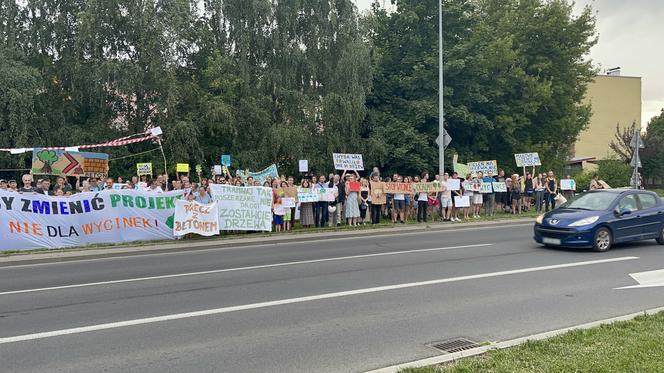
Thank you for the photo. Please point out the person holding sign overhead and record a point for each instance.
(352, 208)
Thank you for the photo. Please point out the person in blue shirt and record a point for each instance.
(489, 198)
(202, 196)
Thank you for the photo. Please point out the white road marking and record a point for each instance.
(217, 311)
(137, 279)
(177, 251)
(649, 279)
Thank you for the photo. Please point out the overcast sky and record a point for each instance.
(630, 36)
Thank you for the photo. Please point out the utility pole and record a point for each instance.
(636, 144)
(441, 109)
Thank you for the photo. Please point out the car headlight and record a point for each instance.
(584, 221)
(539, 219)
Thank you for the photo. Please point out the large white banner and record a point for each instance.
(194, 217)
(30, 221)
(243, 208)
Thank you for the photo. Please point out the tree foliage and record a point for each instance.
(515, 75)
(274, 81)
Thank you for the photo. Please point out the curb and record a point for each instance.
(231, 243)
(447, 358)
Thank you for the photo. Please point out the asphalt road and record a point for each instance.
(345, 305)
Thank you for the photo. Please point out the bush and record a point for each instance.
(614, 172)
(583, 180)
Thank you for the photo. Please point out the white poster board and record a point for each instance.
(499, 187)
(348, 162)
(304, 165)
(486, 188)
(462, 201)
(454, 184)
(243, 208)
(567, 184)
(194, 217)
(527, 159)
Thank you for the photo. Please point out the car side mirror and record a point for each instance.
(623, 212)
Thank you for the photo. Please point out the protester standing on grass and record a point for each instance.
(422, 202)
(341, 199)
(478, 199)
(306, 208)
(551, 191)
(538, 185)
(529, 190)
(364, 200)
(489, 198)
(516, 194)
(399, 207)
(568, 194)
(445, 200)
(278, 211)
(376, 196)
(352, 207)
(408, 200)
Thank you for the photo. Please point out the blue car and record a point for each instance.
(601, 218)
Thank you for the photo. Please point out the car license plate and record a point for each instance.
(551, 241)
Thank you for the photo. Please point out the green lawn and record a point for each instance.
(627, 346)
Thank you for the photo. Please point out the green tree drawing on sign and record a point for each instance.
(48, 157)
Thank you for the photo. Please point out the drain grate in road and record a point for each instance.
(454, 345)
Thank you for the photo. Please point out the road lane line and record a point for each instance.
(217, 311)
(176, 251)
(137, 279)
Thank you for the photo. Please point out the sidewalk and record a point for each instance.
(232, 242)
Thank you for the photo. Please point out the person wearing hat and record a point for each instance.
(13, 186)
(3, 184)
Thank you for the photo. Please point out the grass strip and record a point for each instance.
(627, 346)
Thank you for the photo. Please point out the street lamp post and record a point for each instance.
(441, 110)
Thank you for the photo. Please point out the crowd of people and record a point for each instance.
(523, 192)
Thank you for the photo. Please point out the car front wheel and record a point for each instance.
(602, 240)
(660, 239)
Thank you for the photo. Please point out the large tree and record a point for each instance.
(515, 74)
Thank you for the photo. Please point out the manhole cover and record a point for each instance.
(454, 345)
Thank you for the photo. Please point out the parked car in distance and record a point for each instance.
(600, 218)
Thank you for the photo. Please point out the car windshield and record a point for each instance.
(591, 201)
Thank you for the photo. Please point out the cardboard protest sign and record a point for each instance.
(304, 165)
(486, 167)
(454, 184)
(305, 195)
(66, 163)
(226, 160)
(567, 184)
(499, 187)
(431, 187)
(143, 169)
(398, 188)
(378, 194)
(348, 161)
(291, 192)
(461, 169)
(243, 208)
(354, 186)
(486, 188)
(472, 185)
(527, 159)
(288, 202)
(193, 217)
(182, 167)
(217, 169)
(259, 176)
(462, 201)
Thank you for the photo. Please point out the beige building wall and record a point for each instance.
(614, 99)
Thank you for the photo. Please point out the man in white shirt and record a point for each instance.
(154, 187)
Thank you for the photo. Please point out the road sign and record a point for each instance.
(447, 138)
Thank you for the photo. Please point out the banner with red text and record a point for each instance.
(30, 221)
